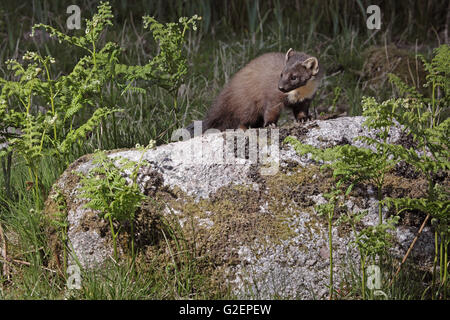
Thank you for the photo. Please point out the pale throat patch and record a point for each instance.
(305, 92)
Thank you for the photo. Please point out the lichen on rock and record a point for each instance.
(259, 234)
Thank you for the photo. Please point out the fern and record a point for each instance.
(53, 115)
(110, 194)
(419, 117)
(80, 133)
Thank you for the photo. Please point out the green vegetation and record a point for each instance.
(131, 75)
(111, 195)
(53, 115)
(351, 165)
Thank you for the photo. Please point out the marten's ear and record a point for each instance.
(289, 54)
(312, 64)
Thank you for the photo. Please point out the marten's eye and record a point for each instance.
(293, 77)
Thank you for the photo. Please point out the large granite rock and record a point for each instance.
(249, 215)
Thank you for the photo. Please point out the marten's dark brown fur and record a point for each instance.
(256, 95)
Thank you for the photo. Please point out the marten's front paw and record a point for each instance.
(302, 117)
(270, 125)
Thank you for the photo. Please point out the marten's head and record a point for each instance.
(298, 70)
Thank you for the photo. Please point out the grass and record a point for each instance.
(409, 285)
(231, 35)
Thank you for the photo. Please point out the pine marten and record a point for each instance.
(256, 94)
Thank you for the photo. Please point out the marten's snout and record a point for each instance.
(282, 85)
(282, 89)
(288, 82)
